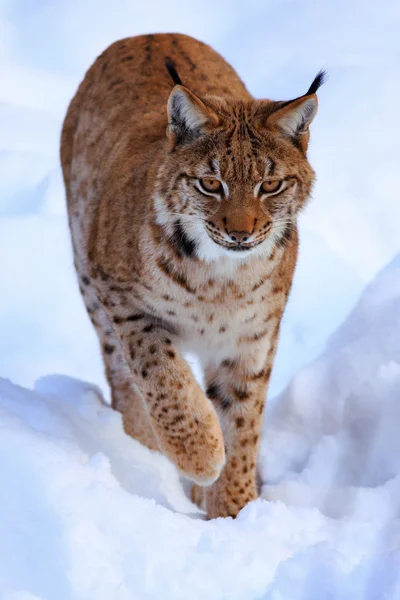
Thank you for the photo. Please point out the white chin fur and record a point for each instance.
(208, 250)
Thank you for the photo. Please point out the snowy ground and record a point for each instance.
(89, 514)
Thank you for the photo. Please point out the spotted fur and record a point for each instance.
(166, 266)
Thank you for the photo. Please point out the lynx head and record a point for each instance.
(235, 174)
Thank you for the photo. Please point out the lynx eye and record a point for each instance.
(211, 185)
(270, 186)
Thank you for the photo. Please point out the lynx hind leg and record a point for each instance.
(125, 396)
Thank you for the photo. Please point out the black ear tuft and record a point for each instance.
(170, 66)
(318, 81)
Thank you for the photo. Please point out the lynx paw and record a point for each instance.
(196, 445)
(221, 501)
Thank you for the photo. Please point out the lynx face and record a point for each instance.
(236, 175)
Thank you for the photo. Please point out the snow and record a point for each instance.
(88, 513)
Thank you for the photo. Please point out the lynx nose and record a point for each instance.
(239, 236)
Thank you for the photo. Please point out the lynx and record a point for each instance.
(183, 195)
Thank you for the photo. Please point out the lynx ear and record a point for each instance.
(293, 118)
(188, 116)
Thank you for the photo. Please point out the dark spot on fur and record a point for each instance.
(286, 236)
(175, 277)
(136, 317)
(184, 246)
(229, 364)
(242, 394)
(215, 393)
(259, 283)
(257, 336)
(177, 419)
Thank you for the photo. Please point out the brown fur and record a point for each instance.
(155, 256)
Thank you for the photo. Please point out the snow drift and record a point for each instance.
(89, 514)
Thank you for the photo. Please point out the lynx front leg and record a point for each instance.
(238, 389)
(183, 419)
